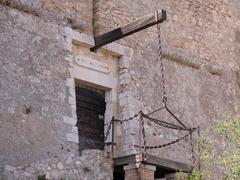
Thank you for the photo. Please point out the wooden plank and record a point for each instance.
(143, 23)
(156, 161)
(138, 25)
(119, 161)
(168, 164)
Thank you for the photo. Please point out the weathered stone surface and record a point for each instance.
(91, 165)
(201, 57)
(201, 50)
(75, 13)
(33, 74)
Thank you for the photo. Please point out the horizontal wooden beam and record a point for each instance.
(121, 32)
(167, 164)
(153, 160)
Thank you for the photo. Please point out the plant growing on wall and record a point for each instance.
(220, 153)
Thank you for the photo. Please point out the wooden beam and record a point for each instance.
(153, 160)
(167, 164)
(138, 25)
(125, 160)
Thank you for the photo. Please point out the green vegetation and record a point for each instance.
(220, 153)
(42, 177)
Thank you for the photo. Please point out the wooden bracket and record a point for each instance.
(121, 32)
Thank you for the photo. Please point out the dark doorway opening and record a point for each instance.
(161, 172)
(118, 173)
(91, 107)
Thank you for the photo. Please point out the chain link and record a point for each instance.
(192, 148)
(143, 132)
(164, 145)
(131, 118)
(164, 100)
(108, 130)
(199, 148)
(112, 15)
(164, 97)
(175, 117)
(124, 120)
(165, 124)
(157, 110)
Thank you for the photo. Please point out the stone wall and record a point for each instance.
(91, 165)
(202, 28)
(74, 13)
(201, 58)
(34, 100)
(201, 64)
(33, 93)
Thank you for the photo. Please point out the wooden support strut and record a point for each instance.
(121, 32)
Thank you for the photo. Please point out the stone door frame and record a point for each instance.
(106, 83)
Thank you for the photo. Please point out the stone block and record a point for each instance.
(123, 71)
(74, 114)
(71, 100)
(125, 76)
(72, 137)
(129, 140)
(124, 81)
(68, 32)
(70, 83)
(74, 129)
(70, 121)
(124, 62)
(69, 58)
(72, 92)
(128, 147)
(68, 45)
(123, 101)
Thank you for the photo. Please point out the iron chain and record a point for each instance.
(160, 58)
(108, 130)
(165, 124)
(164, 145)
(131, 118)
(192, 148)
(143, 132)
(199, 148)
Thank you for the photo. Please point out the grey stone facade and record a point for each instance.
(201, 49)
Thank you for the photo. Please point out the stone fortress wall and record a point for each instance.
(201, 48)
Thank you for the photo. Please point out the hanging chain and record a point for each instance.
(199, 149)
(143, 133)
(192, 147)
(112, 16)
(131, 118)
(165, 124)
(115, 24)
(123, 120)
(108, 130)
(160, 58)
(163, 145)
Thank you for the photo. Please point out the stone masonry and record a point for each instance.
(201, 50)
(145, 172)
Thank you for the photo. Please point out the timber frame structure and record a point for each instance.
(152, 160)
(150, 20)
